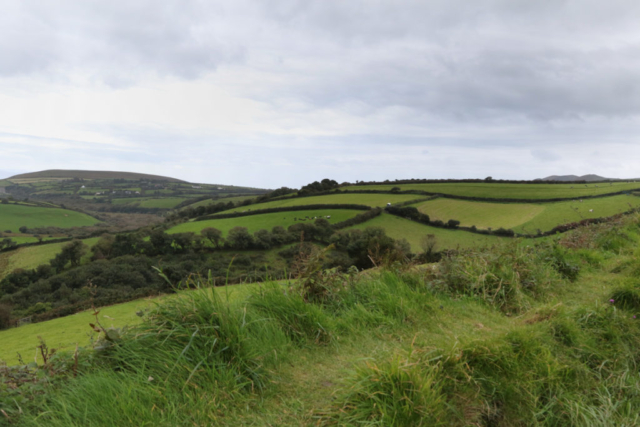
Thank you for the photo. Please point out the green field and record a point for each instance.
(509, 191)
(343, 199)
(27, 239)
(32, 256)
(208, 202)
(254, 223)
(525, 217)
(481, 214)
(400, 228)
(149, 202)
(565, 212)
(64, 333)
(12, 217)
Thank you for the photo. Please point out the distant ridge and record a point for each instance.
(590, 177)
(80, 174)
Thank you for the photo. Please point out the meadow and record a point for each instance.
(31, 257)
(234, 199)
(267, 221)
(12, 217)
(373, 200)
(525, 217)
(509, 191)
(413, 232)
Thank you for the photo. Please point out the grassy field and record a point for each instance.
(12, 217)
(344, 199)
(64, 333)
(510, 191)
(525, 217)
(564, 212)
(32, 256)
(254, 223)
(148, 202)
(481, 214)
(207, 202)
(400, 228)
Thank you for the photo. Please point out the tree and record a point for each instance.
(5, 201)
(23, 229)
(213, 235)
(453, 223)
(71, 253)
(239, 238)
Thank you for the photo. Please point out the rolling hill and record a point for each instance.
(83, 174)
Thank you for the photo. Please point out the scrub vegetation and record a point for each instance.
(539, 334)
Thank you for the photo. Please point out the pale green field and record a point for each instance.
(32, 256)
(12, 217)
(342, 199)
(481, 214)
(399, 228)
(254, 223)
(65, 332)
(564, 212)
(509, 191)
(147, 202)
(525, 217)
(208, 202)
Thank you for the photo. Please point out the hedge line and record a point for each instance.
(283, 209)
(358, 219)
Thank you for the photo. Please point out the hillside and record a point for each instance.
(84, 174)
(589, 177)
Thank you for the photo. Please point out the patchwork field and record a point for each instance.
(525, 217)
(372, 200)
(254, 223)
(509, 191)
(400, 228)
(12, 217)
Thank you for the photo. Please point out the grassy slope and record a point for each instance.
(400, 228)
(525, 217)
(481, 214)
(65, 332)
(13, 217)
(32, 256)
(564, 212)
(509, 191)
(208, 202)
(484, 346)
(357, 199)
(264, 221)
(148, 202)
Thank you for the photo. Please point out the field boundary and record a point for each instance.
(283, 209)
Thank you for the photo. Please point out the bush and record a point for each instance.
(5, 316)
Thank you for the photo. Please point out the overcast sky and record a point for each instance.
(282, 93)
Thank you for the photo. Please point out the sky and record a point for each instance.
(271, 93)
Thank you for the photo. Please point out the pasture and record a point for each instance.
(12, 217)
(372, 200)
(267, 221)
(509, 191)
(65, 332)
(234, 199)
(401, 228)
(32, 256)
(481, 214)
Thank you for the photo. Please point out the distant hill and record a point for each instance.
(590, 177)
(60, 173)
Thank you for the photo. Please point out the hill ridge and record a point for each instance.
(92, 174)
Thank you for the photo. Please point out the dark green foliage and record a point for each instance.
(5, 316)
(71, 253)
